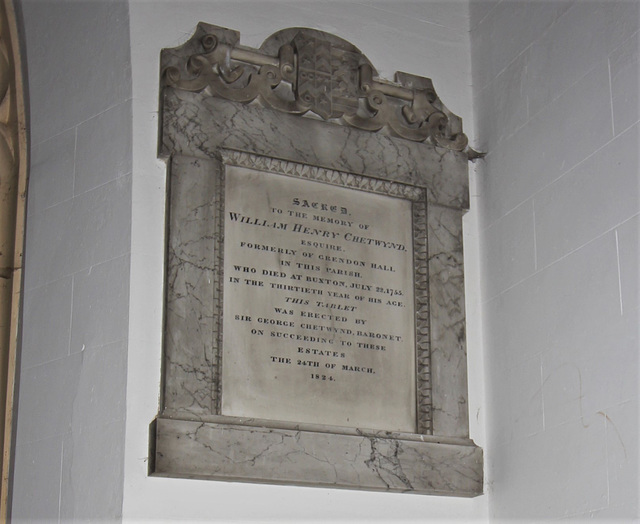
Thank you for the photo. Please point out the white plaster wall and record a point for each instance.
(556, 93)
(69, 461)
(425, 38)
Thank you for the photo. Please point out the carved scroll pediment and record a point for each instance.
(308, 72)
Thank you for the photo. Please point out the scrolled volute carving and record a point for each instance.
(308, 72)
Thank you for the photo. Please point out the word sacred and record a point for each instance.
(321, 206)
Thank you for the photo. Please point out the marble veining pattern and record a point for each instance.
(190, 322)
(193, 126)
(189, 439)
(332, 460)
(448, 337)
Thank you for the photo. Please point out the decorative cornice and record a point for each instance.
(304, 71)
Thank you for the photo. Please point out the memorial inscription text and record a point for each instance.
(318, 322)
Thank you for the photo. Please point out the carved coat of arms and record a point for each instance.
(327, 80)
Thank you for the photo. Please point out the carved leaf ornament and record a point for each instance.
(308, 72)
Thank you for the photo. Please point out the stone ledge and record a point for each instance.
(243, 453)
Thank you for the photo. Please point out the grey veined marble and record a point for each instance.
(250, 453)
(314, 298)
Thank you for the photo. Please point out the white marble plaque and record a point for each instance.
(318, 305)
(315, 285)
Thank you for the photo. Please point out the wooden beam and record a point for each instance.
(13, 188)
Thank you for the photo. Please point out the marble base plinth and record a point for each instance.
(253, 453)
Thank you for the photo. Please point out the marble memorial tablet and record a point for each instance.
(318, 303)
(314, 295)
